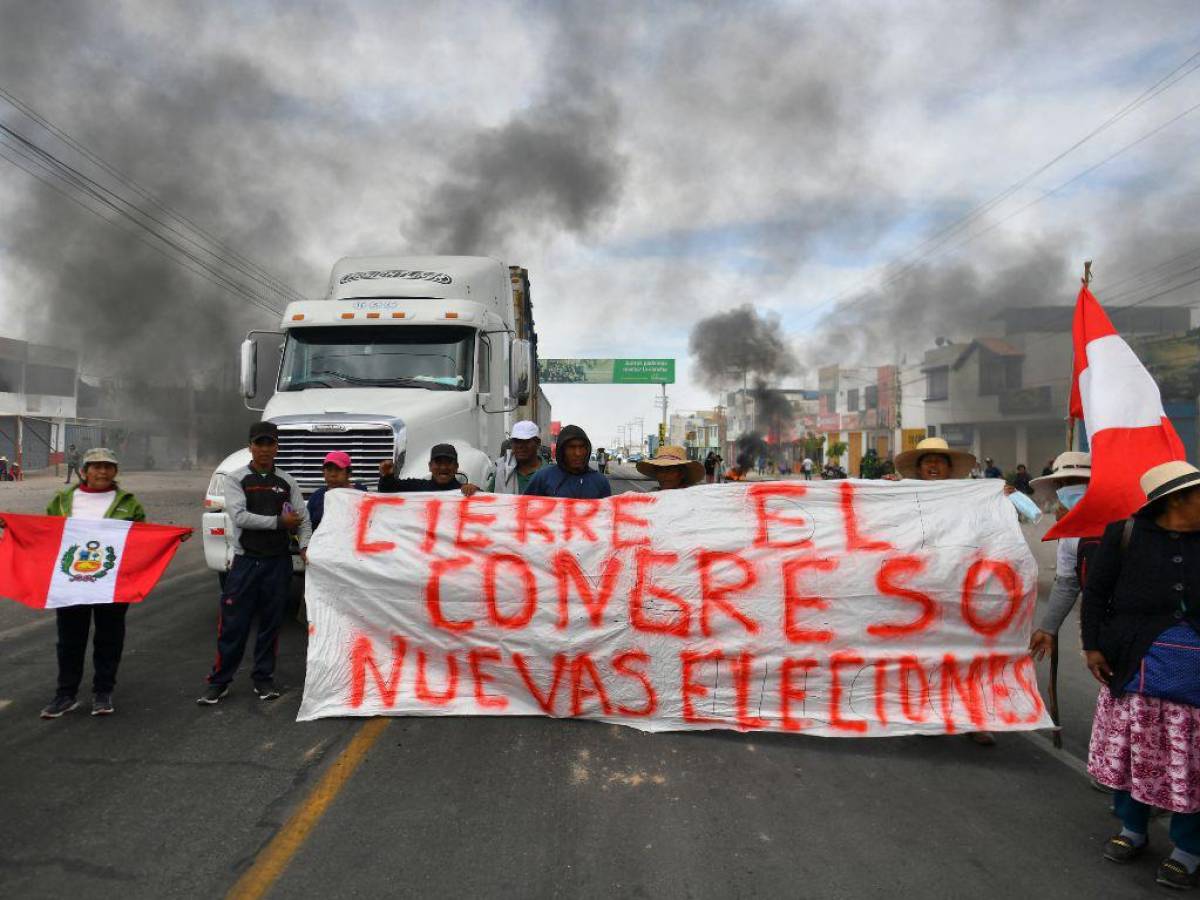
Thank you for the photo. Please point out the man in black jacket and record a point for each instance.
(264, 506)
(443, 471)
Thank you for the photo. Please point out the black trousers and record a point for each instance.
(255, 588)
(74, 622)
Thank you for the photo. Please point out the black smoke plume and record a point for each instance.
(553, 167)
(729, 346)
(773, 413)
(750, 448)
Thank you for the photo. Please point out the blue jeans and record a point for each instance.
(1185, 827)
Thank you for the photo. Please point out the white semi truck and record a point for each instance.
(403, 353)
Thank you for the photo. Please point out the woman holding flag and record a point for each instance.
(1141, 637)
(96, 496)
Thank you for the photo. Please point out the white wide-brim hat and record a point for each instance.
(961, 462)
(1071, 464)
(1168, 478)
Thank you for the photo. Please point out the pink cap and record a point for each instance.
(339, 459)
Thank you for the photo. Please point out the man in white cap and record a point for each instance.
(516, 467)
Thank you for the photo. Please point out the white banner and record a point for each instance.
(843, 608)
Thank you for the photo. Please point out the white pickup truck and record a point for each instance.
(403, 353)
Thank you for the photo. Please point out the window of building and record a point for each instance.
(53, 380)
(871, 396)
(998, 373)
(852, 400)
(937, 383)
(10, 376)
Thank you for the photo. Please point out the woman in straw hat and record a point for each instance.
(935, 460)
(1141, 636)
(671, 468)
(1064, 487)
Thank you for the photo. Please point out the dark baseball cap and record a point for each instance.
(443, 451)
(264, 429)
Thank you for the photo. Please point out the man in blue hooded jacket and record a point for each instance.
(571, 477)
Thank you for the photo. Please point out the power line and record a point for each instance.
(88, 185)
(273, 282)
(205, 271)
(1190, 65)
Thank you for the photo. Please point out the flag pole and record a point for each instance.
(1053, 691)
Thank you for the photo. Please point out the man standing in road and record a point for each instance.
(570, 476)
(992, 470)
(807, 468)
(516, 468)
(602, 461)
(264, 506)
(443, 471)
(72, 464)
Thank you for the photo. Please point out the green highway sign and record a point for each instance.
(606, 371)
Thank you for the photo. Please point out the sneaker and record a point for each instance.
(102, 704)
(62, 703)
(266, 690)
(214, 694)
(1174, 874)
(983, 738)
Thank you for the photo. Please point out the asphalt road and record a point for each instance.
(166, 799)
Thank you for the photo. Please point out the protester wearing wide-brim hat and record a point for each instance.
(1168, 478)
(670, 456)
(1066, 466)
(961, 462)
(1140, 629)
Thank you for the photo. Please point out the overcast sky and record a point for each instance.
(649, 163)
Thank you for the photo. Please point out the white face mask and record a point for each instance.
(1070, 495)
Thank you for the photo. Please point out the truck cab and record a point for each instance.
(402, 353)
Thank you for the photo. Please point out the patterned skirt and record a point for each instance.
(1149, 747)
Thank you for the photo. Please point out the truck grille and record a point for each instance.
(301, 453)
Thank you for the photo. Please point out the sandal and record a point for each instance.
(1174, 874)
(1120, 849)
(983, 738)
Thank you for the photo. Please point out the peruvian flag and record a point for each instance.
(48, 562)
(1121, 408)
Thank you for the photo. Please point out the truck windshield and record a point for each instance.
(434, 357)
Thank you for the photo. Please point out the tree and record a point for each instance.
(836, 450)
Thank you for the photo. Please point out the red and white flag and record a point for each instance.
(1121, 408)
(48, 562)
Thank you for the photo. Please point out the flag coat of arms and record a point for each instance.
(49, 562)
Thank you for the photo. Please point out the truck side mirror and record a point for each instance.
(249, 369)
(521, 370)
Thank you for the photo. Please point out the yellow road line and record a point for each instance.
(274, 858)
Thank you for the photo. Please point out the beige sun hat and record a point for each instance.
(1169, 478)
(1070, 464)
(673, 456)
(961, 462)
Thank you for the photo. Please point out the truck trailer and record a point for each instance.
(402, 353)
